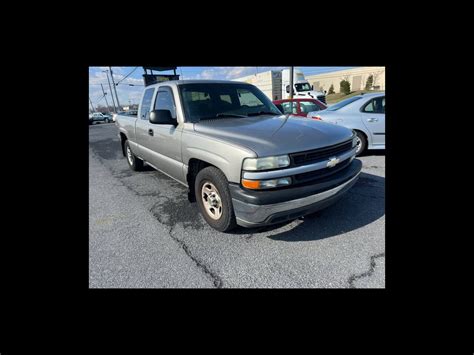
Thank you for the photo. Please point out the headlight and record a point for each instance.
(266, 184)
(267, 163)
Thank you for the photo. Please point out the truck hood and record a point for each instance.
(274, 135)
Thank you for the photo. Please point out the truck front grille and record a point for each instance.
(313, 156)
(320, 174)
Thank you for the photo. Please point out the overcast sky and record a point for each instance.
(131, 94)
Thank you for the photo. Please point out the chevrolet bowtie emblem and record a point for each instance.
(332, 162)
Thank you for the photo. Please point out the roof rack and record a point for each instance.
(150, 79)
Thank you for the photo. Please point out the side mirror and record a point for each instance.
(162, 117)
(288, 89)
(312, 87)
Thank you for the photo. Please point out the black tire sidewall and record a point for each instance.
(216, 177)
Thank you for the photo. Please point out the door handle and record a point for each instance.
(373, 120)
(150, 132)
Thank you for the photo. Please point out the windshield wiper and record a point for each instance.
(263, 113)
(230, 115)
(222, 115)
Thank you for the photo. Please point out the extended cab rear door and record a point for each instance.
(142, 124)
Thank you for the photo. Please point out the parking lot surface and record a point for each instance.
(143, 233)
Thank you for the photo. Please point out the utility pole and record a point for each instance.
(115, 89)
(105, 96)
(292, 69)
(93, 109)
(110, 87)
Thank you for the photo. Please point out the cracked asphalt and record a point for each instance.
(143, 233)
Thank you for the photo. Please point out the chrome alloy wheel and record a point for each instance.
(129, 156)
(358, 145)
(211, 200)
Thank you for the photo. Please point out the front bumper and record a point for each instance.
(280, 209)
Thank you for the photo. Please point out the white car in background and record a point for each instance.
(365, 114)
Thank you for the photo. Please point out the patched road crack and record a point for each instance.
(216, 279)
(353, 278)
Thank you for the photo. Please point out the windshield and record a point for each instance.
(343, 103)
(303, 87)
(217, 101)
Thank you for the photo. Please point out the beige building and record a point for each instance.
(356, 76)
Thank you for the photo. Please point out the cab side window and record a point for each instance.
(289, 107)
(146, 103)
(308, 106)
(376, 105)
(165, 101)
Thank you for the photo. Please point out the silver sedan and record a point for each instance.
(365, 114)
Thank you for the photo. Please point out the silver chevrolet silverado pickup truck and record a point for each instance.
(242, 160)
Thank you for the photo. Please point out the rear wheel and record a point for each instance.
(135, 163)
(214, 200)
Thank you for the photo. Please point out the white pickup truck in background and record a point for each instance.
(276, 85)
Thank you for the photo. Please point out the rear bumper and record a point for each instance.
(283, 209)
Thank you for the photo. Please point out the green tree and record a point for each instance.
(345, 87)
(331, 89)
(369, 83)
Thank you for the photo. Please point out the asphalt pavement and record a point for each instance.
(143, 233)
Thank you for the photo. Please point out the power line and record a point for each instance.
(100, 100)
(127, 76)
(93, 109)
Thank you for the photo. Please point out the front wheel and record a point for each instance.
(214, 200)
(361, 143)
(135, 163)
(107, 120)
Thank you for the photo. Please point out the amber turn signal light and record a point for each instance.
(251, 184)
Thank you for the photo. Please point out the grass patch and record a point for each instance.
(334, 98)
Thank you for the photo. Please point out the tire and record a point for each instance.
(135, 163)
(363, 143)
(107, 120)
(224, 217)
